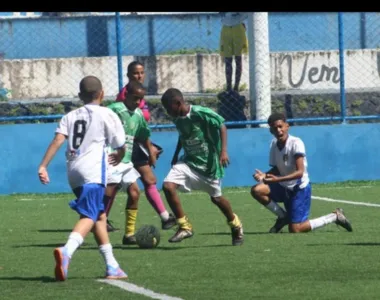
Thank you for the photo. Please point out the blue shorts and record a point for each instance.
(89, 202)
(296, 202)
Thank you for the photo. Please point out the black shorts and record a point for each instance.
(140, 154)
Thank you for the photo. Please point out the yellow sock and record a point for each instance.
(235, 222)
(130, 221)
(184, 223)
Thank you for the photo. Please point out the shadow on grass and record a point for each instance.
(40, 278)
(122, 247)
(55, 230)
(362, 244)
(345, 244)
(86, 246)
(170, 248)
(228, 233)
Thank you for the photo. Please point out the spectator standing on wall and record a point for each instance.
(233, 44)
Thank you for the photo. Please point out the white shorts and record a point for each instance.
(123, 173)
(188, 180)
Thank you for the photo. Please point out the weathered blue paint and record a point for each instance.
(145, 35)
(335, 153)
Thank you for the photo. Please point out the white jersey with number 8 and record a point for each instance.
(89, 129)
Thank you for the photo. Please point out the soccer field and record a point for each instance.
(328, 263)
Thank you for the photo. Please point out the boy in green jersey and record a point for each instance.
(124, 174)
(203, 137)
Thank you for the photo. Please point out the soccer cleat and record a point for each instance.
(129, 240)
(280, 223)
(180, 235)
(237, 235)
(110, 227)
(169, 223)
(62, 261)
(115, 273)
(341, 220)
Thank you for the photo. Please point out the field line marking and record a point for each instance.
(137, 289)
(345, 201)
(313, 197)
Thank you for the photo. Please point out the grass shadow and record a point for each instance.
(86, 246)
(54, 230)
(228, 233)
(40, 278)
(346, 244)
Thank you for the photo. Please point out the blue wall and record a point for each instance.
(335, 153)
(156, 34)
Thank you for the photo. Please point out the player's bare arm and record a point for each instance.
(224, 160)
(298, 173)
(54, 146)
(176, 152)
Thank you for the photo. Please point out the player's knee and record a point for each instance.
(259, 190)
(169, 187)
(215, 200)
(134, 192)
(295, 228)
(148, 179)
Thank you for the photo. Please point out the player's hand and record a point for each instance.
(156, 152)
(224, 160)
(259, 176)
(43, 175)
(174, 160)
(114, 158)
(270, 178)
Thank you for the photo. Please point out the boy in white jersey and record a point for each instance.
(203, 137)
(288, 182)
(87, 129)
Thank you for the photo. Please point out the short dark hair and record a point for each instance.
(133, 86)
(276, 117)
(132, 65)
(170, 95)
(90, 88)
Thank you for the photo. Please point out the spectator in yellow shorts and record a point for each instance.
(233, 43)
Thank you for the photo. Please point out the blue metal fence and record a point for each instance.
(182, 51)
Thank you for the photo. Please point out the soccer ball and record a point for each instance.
(147, 237)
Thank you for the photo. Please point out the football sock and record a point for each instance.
(107, 253)
(73, 243)
(276, 209)
(164, 216)
(154, 198)
(130, 221)
(184, 223)
(235, 222)
(322, 221)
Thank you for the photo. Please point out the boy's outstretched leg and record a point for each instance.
(185, 229)
(113, 270)
(109, 198)
(131, 214)
(337, 217)
(62, 255)
(232, 219)
(154, 197)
